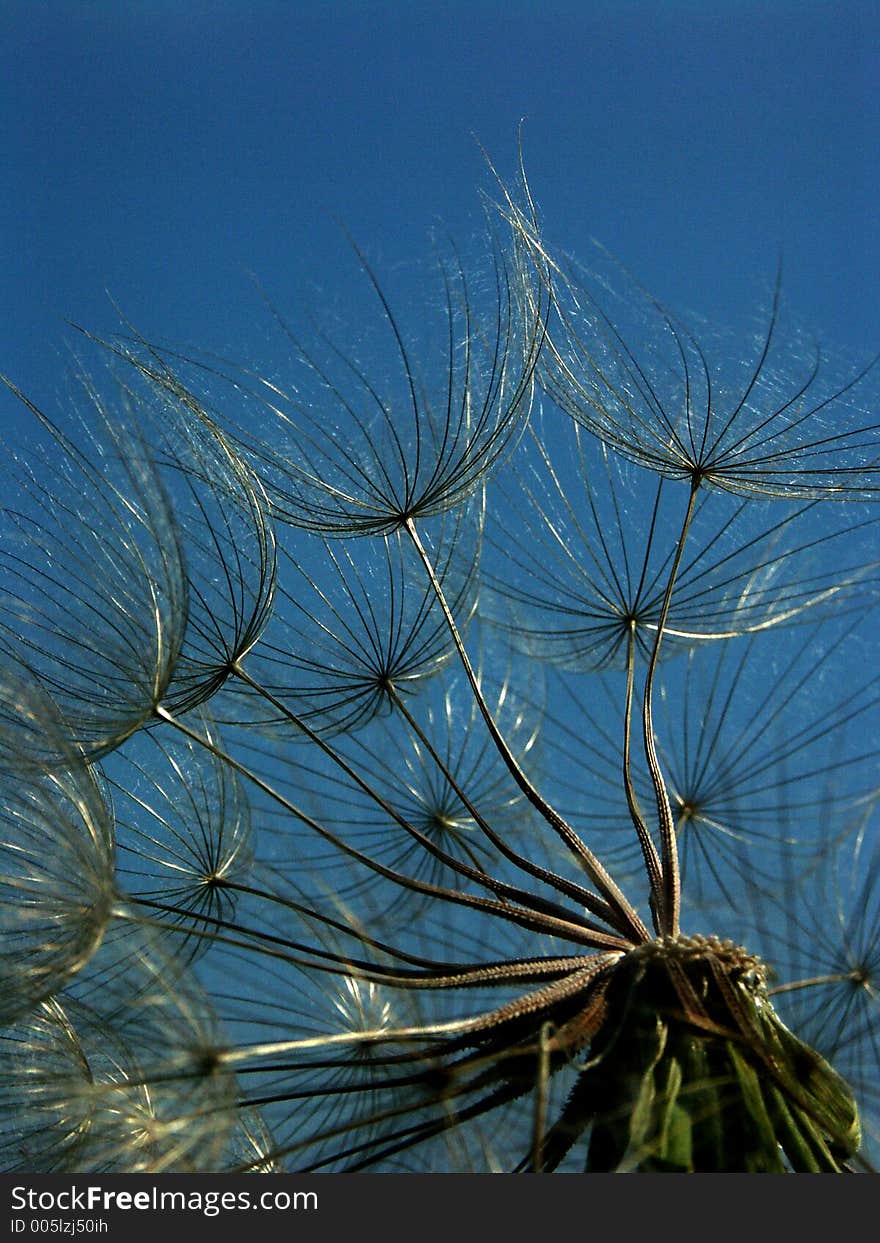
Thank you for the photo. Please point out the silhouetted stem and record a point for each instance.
(570, 888)
(671, 895)
(542, 1077)
(476, 873)
(622, 914)
(649, 850)
(836, 977)
(536, 918)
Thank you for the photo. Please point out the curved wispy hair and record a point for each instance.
(779, 420)
(95, 595)
(252, 1147)
(183, 831)
(355, 625)
(583, 545)
(348, 446)
(420, 793)
(766, 746)
(44, 1097)
(127, 1054)
(137, 583)
(229, 540)
(56, 851)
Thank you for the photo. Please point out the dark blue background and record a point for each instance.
(159, 150)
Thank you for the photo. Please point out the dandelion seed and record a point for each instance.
(354, 628)
(780, 421)
(95, 593)
(57, 851)
(351, 452)
(157, 1095)
(583, 555)
(186, 566)
(183, 831)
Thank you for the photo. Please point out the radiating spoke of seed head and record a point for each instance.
(824, 946)
(56, 851)
(355, 625)
(435, 767)
(349, 445)
(579, 544)
(183, 831)
(146, 1077)
(777, 418)
(45, 1093)
(95, 594)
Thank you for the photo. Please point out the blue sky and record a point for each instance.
(159, 151)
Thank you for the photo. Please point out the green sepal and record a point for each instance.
(761, 1153)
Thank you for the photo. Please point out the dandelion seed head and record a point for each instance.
(439, 783)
